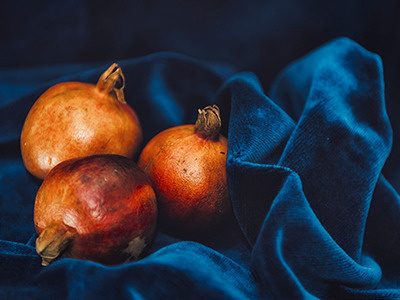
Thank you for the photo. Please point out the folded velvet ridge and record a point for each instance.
(314, 216)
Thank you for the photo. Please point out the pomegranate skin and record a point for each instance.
(100, 208)
(188, 174)
(74, 119)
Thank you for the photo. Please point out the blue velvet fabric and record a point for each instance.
(313, 155)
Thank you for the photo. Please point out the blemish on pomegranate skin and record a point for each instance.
(105, 145)
(223, 153)
(85, 178)
(135, 247)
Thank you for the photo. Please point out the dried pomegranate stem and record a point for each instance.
(208, 123)
(53, 240)
(112, 81)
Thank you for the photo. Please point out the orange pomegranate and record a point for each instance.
(75, 119)
(187, 166)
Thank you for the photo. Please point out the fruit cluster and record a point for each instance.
(95, 201)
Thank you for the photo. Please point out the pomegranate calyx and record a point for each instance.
(208, 124)
(52, 241)
(112, 81)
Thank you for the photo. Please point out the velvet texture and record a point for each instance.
(314, 213)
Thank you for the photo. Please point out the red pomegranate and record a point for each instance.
(100, 208)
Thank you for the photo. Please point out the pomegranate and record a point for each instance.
(187, 166)
(74, 119)
(100, 208)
